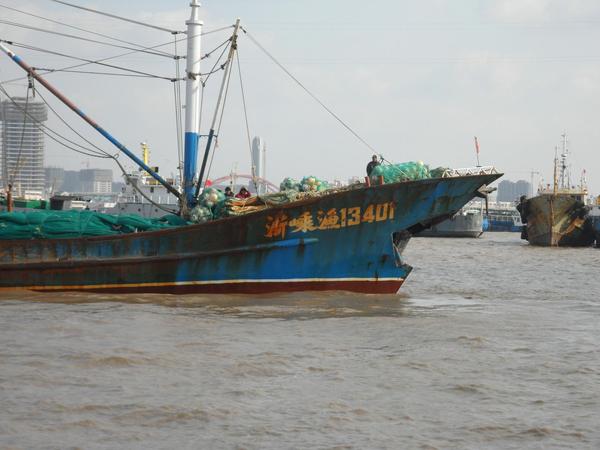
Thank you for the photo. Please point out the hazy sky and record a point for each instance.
(417, 79)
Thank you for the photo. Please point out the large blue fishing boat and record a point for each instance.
(345, 239)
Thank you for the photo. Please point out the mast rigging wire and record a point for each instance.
(90, 72)
(252, 166)
(114, 157)
(299, 83)
(101, 61)
(178, 120)
(103, 153)
(77, 58)
(214, 67)
(114, 16)
(228, 69)
(49, 132)
(95, 33)
(81, 38)
(45, 129)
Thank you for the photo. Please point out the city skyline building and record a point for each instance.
(83, 181)
(97, 181)
(259, 162)
(509, 191)
(22, 149)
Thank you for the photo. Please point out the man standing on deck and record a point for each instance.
(372, 164)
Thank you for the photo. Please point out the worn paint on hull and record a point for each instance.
(350, 240)
(558, 220)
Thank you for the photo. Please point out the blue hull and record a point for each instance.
(503, 225)
(350, 240)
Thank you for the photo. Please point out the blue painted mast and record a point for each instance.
(88, 119)
(192, 105)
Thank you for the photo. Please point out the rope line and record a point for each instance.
(95, 33)
(325, 107)
(114, 16)
(101, 62)
(218, 130)
(78, 58)
(80, 38)
(49, 132)
(178, 120)
(252, 166)
(102, 153)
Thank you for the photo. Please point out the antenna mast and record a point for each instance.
(564, 173)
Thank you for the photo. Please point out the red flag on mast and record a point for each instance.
(477, 149)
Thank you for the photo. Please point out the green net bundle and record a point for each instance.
(211, 197)
(201, 214)
(45, 224)
(210, 206)
(309, 183)
(438, 172)
(313, 184)
(408, 171)
(289, 184)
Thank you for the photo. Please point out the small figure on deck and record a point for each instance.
(228, 192)
(372, 164)
(522, 208)
(244, 193)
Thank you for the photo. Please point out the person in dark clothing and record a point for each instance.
(244, 193)
(522, 208)
(372, 164)
(228, 192)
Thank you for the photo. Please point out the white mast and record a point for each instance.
(192, 101)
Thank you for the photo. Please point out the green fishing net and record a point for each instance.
(46, 224)
(393, 173)
(313, 184)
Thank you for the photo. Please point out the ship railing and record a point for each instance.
(466, 171)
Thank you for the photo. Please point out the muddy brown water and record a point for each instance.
(491, 344)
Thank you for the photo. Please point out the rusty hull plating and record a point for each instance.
(555, 220)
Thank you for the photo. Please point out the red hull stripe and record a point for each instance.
(387, 286)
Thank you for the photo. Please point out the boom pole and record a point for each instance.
(17, 59)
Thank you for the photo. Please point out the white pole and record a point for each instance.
(192, 100)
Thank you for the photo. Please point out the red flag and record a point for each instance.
(208, 183)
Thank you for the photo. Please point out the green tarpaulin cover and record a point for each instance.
(44, 224)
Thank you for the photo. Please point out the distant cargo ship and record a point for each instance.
(558, 216)
(468, 222)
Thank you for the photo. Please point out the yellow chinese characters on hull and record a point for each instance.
(332, 219)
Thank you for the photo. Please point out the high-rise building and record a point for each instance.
(509, 191)
(55, 178)
(23, 145)
(97, 181)
(259, 162)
